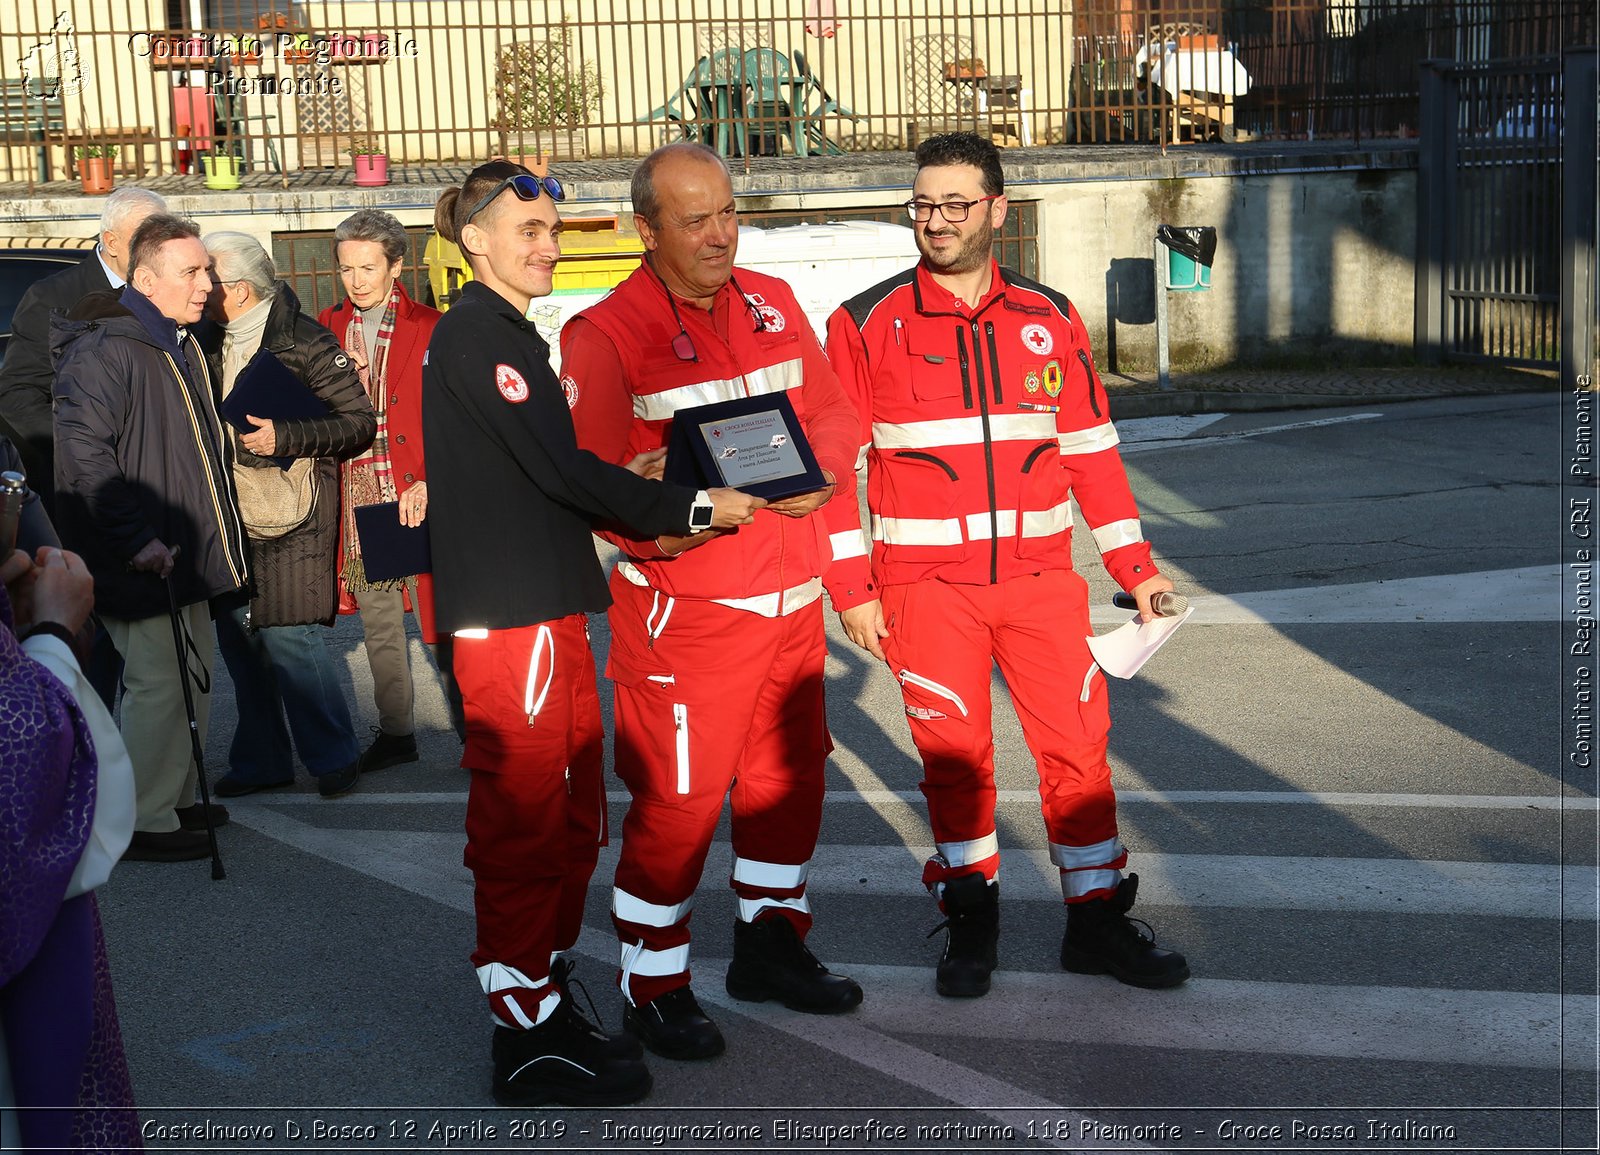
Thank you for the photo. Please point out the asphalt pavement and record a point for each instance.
(1345, 783)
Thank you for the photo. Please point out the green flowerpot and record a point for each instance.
(222, 172)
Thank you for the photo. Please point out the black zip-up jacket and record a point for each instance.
(510, 494)
(140, 455)
(295, 577)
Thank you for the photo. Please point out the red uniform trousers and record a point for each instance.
(709, 697)
(943, 641)
(536, 805)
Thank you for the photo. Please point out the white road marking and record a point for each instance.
(1335, 800)
(1527, 594)
(1139, 430)
(429, 863)
(1212, 439)
(1406, 1024)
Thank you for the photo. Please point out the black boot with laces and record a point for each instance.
(564, 1059)
(1102, 939)
(771, 961)
(972, 916)
(623, 1046)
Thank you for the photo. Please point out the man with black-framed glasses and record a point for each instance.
(511, 496)
(717, 644)
(986, 419)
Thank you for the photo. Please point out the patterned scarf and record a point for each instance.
(369, 476)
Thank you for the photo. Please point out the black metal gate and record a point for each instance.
(1492, 248)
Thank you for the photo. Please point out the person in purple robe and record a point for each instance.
(64, 1081)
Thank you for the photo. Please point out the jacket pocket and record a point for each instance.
(922, 488)
(933, 361)
(1044, 508)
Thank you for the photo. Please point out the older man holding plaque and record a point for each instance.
(717, 638)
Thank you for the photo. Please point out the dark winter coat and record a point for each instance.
(139, 455)
(295, 577)
(26, 372)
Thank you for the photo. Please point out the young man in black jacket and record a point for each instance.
(511, 497)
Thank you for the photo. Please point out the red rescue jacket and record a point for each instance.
(624, 381)
(982, 424)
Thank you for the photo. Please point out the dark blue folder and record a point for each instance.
(266, 387)
(390, 550)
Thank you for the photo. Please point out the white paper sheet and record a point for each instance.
(1126, 648)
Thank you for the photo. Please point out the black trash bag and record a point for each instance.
(1197, 242)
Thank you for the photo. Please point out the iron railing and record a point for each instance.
(293, 84)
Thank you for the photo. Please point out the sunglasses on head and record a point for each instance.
(527, 188)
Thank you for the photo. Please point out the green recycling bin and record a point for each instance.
(1190, 251)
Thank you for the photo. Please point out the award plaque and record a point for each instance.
(752, 444)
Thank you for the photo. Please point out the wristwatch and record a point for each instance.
(701, 512)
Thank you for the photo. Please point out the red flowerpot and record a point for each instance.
(94, 174)
(372, 170)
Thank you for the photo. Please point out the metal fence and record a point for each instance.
(293, 84)
(1489, 212)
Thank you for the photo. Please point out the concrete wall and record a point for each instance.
(1314, 262)
(1310, 266)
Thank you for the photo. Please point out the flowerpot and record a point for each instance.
(222, 172)
(538, 163)
(371, 170)
(94, 174)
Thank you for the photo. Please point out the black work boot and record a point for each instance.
(563, 1060)
(972, 916)
(673, 1026)
(388, 750)
(623, 1046)
(1102, 939)
(771, 962)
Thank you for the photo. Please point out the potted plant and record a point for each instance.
(540, 93)
(370, 160)
(95, 173)
(222, 170)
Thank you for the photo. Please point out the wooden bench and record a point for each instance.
(29, 113)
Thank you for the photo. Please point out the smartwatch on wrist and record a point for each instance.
(701, 512)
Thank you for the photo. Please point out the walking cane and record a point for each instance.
(194, 727)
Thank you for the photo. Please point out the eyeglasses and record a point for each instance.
(526, 187)
(683, 344)
(953, 211)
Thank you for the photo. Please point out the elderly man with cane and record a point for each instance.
(140, 469)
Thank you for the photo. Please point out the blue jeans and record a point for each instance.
(284, 670)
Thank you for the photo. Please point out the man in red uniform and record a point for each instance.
(984, 413)
(511, 498)
(717, 639)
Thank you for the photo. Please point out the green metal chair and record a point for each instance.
(719, 80)
(776, 101)
(681, 112)
(815, 127)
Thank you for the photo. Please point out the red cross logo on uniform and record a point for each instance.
(1037, 338)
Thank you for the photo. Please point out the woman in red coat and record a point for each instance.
(386, 334)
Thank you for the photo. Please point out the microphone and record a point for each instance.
(1166, 603)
